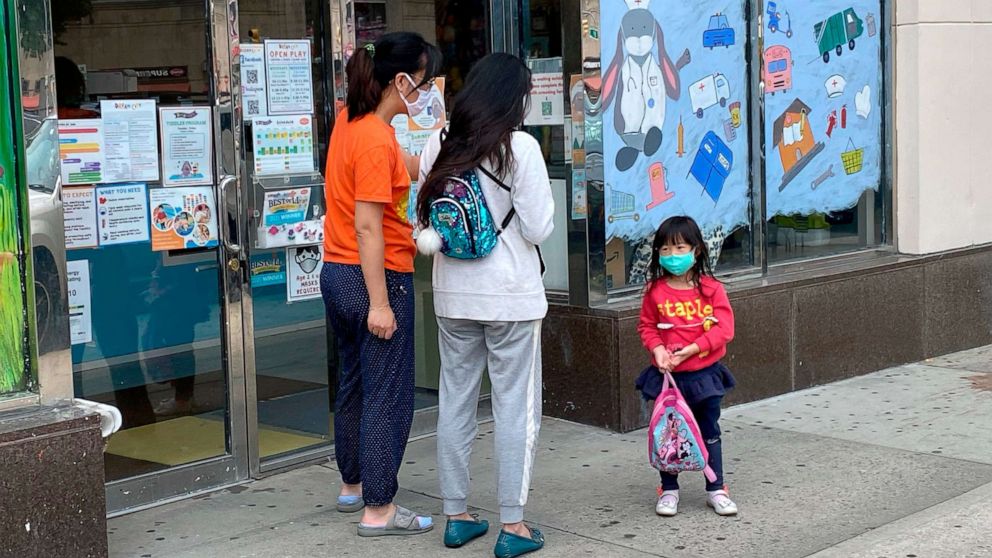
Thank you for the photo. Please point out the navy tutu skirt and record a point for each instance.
(713, 381)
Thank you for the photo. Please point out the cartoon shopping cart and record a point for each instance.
(622, 206)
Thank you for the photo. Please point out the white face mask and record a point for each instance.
(420, 103)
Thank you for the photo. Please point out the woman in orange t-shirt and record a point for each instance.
(367, 278)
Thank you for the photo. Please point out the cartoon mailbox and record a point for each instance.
(712, 165)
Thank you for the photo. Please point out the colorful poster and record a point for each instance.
(283, 145)
(254, 98)
(268, 268)
(674, 85)
(80, 315)
(286, 207)
(576, 96)
(288, 77)
(187, 146)
(79, 217)
(81, 151)
(183, 218)
(547, 93)
(303, 276)
(130, 139)
(822, 71)
(122, 213)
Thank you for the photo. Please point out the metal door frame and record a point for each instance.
(177, 483)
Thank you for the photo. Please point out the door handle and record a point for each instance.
(222, 220)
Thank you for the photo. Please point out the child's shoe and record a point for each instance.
(721, 503)
(668, 503)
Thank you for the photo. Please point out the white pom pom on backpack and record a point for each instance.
(429, 242)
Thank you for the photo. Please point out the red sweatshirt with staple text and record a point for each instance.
(676, 318)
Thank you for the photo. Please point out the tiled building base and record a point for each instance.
(791, 334)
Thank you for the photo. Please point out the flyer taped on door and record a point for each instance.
(303, 276)
(80, 317)
(283, 145)
(122, 213)
(187, 146)
(183, 218)
(547, 94)
(255, 100)
(268, 268)
(79, 217)
(81, 151)
(130, 139)
(289, 82)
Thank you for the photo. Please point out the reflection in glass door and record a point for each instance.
(156, 285)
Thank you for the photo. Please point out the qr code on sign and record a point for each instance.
(253, 106)
(252, 76)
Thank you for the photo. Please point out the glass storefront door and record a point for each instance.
(193, 298)
(151, 183)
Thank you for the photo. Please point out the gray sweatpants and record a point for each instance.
(512, 353)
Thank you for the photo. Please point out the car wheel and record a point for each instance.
(50, 310)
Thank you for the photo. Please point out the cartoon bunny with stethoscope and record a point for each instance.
(639, 83)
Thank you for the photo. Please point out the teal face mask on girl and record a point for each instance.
(678, 264)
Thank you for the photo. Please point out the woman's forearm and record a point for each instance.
(371, 252)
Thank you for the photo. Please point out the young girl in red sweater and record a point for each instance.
(686, 323)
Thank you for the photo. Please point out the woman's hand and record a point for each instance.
(663, 359)
(382, 322)
(684, 354)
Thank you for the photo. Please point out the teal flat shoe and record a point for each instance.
(460, 532)
(510, 546)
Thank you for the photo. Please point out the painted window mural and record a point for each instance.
(675, 137)
(823, 123)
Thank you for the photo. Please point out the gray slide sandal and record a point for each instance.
(404, 522)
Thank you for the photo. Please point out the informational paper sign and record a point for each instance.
(255, 100)
(280, 236)
(79, 217)
(288, 77)
(187, 145)
(268, 268)
(283, 145)
(81, 151)
(303, 276)
(547, 93)
(122, 213)
(183, 218)
(130, 139)
(80, 317)
(286, 207)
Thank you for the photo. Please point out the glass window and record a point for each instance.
(823, 134)
(675, 131)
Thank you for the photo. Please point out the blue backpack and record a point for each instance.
(462, 220)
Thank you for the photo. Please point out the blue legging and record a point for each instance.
(374, 405)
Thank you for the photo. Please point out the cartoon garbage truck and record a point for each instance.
(707, 92)
(836, 31)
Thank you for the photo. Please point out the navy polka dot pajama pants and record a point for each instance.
(374, 407)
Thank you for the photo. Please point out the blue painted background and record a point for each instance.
(859, 67)
(683, 25)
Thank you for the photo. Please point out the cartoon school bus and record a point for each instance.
(777, 71)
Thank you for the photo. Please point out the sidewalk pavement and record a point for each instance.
(895, 464)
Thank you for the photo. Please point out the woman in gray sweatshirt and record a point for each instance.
(489, 309)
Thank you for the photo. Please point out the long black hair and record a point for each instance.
(372, 67)
(678, 230)
(484, 115)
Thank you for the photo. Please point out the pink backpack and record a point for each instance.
(675, 444)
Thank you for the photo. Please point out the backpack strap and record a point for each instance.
(513, 211)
